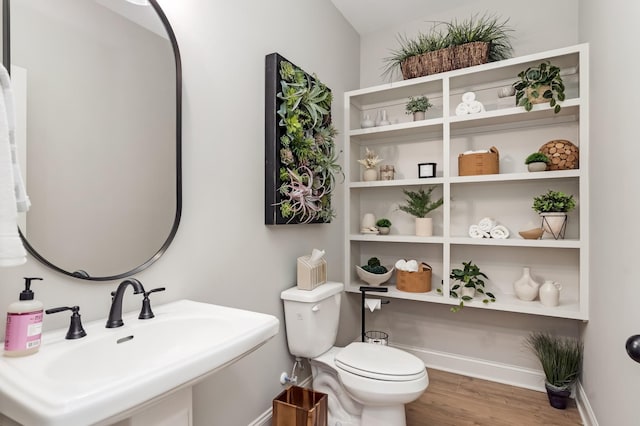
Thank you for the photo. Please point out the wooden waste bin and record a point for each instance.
(297, 406)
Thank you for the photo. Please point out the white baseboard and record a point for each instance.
(584, 407)
(265, 418)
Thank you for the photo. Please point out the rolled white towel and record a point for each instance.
(412, 266)
(475, 107)
(462, 109)
(468, 97)
(487, 224)
(475, 232)
(499, 232)
(401, 265)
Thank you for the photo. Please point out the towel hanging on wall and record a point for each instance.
(13, 197)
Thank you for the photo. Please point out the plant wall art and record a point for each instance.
(301, 160)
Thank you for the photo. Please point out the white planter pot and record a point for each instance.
(369, 175)
(467, 291)
(539, 166)
(424, 226)
(554, 223)
(418, 115)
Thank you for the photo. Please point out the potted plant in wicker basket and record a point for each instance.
(553, 207)
(540, 84)
(418, 106)
(537, 162)
(451, 45)
(419, 204)
(561, 360)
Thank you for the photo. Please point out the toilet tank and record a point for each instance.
(311, 318)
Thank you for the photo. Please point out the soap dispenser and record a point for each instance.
(24, 323)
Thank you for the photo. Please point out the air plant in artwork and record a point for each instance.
(302, 195)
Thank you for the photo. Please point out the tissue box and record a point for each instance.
(311, 276)
(414, 282)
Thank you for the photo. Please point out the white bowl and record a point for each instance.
(374, 279)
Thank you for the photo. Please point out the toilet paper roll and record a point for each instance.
(372, 304)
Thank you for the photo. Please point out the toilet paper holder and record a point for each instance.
(363, 291)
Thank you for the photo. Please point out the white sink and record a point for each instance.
(84, 381)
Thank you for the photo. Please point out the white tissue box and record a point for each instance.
(310, 275)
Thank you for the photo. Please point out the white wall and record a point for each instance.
(531, 34)
(223, 253)
(611, 379)
(485, 337)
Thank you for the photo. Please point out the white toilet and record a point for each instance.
(368, 384)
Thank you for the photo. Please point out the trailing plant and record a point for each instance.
(308, 155)
(560, 358)
(553, 201)
(533, 79)
(419, 104)
(419, 202)
(468, 277)
(537, 157)
(383, 223)
(483, 28)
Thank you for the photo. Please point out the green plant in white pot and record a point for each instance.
(553, 207)
(537, 162)
(419, 205)
(561, 360)
(383, 225)
(418, 107)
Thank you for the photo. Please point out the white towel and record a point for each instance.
(468, 97)
(499, 232)
(462, 109)
(476, 232)
(487, 224)
(12, 251)
(475, 107)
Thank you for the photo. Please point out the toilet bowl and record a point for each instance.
(367, 384)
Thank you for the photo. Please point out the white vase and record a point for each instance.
(526, 288)
(554, 223)
(367, 122)
(368, 221)
(550, 293)
(370, 174)
(424, 226)
(382, 119)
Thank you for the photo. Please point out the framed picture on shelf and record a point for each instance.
(426, 170)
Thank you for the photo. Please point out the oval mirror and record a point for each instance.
(97, 85)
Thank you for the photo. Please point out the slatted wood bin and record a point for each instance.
(415, 282)
(447, 59)
(480, 163)
(297, 406)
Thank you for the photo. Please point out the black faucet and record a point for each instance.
(115, 313)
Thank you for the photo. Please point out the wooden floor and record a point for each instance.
(453, 400)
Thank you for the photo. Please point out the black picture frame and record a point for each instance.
(426, 170)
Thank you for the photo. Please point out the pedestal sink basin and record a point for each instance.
(112, 370)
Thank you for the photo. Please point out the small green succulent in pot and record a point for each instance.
(540, 84)
(537, 157)
(553, 201)
(383, 222)
(418, 104)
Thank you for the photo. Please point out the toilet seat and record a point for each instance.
(379, 362)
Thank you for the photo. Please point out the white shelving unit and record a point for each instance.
(507, 197)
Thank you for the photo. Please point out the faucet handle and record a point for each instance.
(75, 327)
(146, 312)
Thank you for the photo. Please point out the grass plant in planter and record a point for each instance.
(561, 360)
(537, 162)
(418, 107)
(419, 205)
(553, 207)
(467, 282)
(540, 84)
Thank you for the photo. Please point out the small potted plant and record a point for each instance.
(418, 106)
(369, 162)
(383, 226)
(467, 282)
(537, 162)
(553, 207)
(538, 85)
(561, 360)
(419, 204)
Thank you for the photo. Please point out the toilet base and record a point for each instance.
(384, 416)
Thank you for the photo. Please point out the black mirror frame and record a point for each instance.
(6, 60)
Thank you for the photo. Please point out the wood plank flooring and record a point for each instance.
(453, 400)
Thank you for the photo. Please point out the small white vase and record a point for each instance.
(370, 174)
(384, 230)
(418, 115)
(368, 221)
(550, 293)
(538, 166)
(382, 119)
(367, 122)
(424, 226)
(526, 288)
(554, 223)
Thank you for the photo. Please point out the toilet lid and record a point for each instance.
(380, 362)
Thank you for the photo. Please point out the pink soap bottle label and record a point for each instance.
(24, 331)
